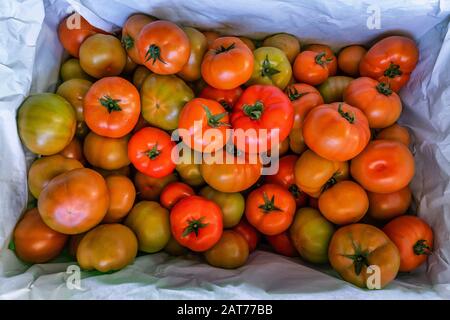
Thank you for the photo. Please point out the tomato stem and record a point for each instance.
(267, 69)
(346, 115)
(153, 153)
(319, 59)
(110, 104)
(421, 248)
(269, 204)
(127, 42)
(384, 88)
(225, 49)
(294, 190)
(254, 111)
(393, 71)
(154, 52)
(293, 94)
(214, 120)
(194, 225)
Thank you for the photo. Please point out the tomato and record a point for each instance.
(235, 176)
(283, 148)
(287, 43)
(188, 169)
(174, 248)
(112, 107)
(71, 69)
(230, 252)
(336, 131)
(390, 60)
(248, 42)
(355, 247)
(270, 209)
(311, 234)
(102, 56)
(44, 169)
(163, 98)
(46, 123)
(149, 188)
(210, 36)
(227, 98)
(262, 107)
(196, 223)
(75, 201)
(73, 30)
(227, 64)
(349, 58)
(191, 71)
(108, 247)
(413, 238)
(139, 76)
(311, 67)
(121, 197)
(385, 206)
(343, 203)
(106, 153)
(285, 177)
(34, 241)
(313, 173)
(232, 205)
(196, 119)
(74, 242)
(150, 151)
(250, 234)
(329, 55)
(130, 66)
(384, 166)
(174, 192)
(150, 222)
(74, 150)
(333, 88)
(163, 47)
(123, 171)
(130, 33)
(271, 67)
(282, 244)
(395, 132)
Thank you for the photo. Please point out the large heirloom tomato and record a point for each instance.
(163, 47)
(46, 123)
(75, 201)
(227, 98)
(106, 153)
(329, 56)
(230, 252)
(227, 64)
(282, 244)
(192, 69)
(112, 107)
(311, 67)
(250, 234)
(34, 241)
(395, 132)
(121, 197)
(336, 131)
(270, 209)
(196, 223)
(130, 33)
(150, 151)
(413, 238)
(349, 59)
(149, 188)
(383, 167)
(287, 43)
(385, 206)
(381, 105)
(390, 60)
(174, 192)
(271, 67)
(313, 173)
(267, 113)
(356, 247)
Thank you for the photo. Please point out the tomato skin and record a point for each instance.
(310, 67)
(210, 36)
(227, 98)
(262, 107)
(74, 91)
(385, 206)
(174, 192)
(34, 241)
(349, 58)
(106, 153)
(287, 43)
(174, 248)
(311, 234)
(345, 202)
(250, 234)
(196, 223)
(395, 132)
(121, 197)
(329, 55)
(384, 166)
(333, 88)
(369, 244)
(74, 150)
(75, 201)
(164, 48)
(71, 69)
(130, 33)
(112, 107)
(227, 64)
(191, 71)
(230, 252)
(390, 60)
(149, 188)
(248, 42)
(150, 151)
(163, 98)
(336, 131)
(271, 67)
(46, 123)
(282, 244)
(107, 247)
(413, 238)
(188, 169)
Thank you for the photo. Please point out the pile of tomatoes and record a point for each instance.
(106, 185)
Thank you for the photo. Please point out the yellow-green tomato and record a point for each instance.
(150, 222)
(71, 69)
(232, 204)
(230, 252)
(311, 234)
(271, 67)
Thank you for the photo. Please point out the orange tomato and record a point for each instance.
(349, 58)
(121, 197)
(248, 42)
(385, 206)
(130, 32)
(210, 36)
(174, 192)
(395, 132)
(311, 67)
(106, 153)
(329, 55)
(74, 150)
(287, 43)
(192, 69)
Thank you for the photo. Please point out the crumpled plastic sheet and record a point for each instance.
(30, 56)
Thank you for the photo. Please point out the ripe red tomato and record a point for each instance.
(249, 233)
(174, 192)
(150, 151)
(130, 32)
(196, 223)
(329, 55)
(282, 244)
(311, 67)
(227, 98)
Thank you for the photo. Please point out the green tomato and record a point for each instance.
(71, 69)
(311, 234)
(232, 204)
(332, 89)
(271, 67)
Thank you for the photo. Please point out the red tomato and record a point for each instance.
(282, 244)
(329, 55)
(174, 192)
(311, 67)
(130, 31)
(227, 98)
(249, 233)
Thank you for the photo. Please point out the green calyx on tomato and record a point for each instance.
(154, 52)
(346, 115)
(383, 88)
(194, 225)
(320, 59)
(267, 69)
(359, 260)
(393, 71)
(127, 42)
(253, 111)
(225, 49)
(421, 247)
(269, 204)
(110, 104)
(153, 153)
(214, 120)
(294, 95)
